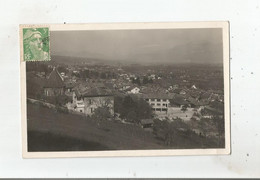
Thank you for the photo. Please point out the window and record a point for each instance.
(90, 101)
(164, 109)
(164, 104)
(158, 104)
(80, 110)
(164, 100)
(152, 104)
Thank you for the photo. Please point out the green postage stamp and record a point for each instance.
(36, 43)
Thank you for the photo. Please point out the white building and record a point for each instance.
(135, 90)
(159, 103)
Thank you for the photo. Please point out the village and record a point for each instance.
(132, 94)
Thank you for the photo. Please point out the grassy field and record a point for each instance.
(49, 130)
(46, 141)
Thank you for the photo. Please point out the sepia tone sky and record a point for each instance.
(168, 46)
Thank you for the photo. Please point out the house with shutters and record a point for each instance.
(89, 100)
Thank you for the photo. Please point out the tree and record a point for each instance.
(61, 100)
(184, 108)
(145, 80)
(101, 114)
(220, 125)
(128, 102)
(137, 81)
(131, 116)
(171, 132)
(206, 126)
(118, 104)
(125, 105)
(143, 109)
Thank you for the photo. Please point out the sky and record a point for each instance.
(160, 45)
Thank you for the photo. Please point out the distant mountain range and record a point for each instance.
(72, 60)
(68, 60)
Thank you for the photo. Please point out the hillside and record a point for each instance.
(49, 130)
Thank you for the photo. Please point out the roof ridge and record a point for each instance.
(59, 74)
(54, 79)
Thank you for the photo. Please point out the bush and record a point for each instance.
(131, 116)
(101, 113)
(132, 110)
(184, 108)
(60, 100)
(62, 110)
(171, 132)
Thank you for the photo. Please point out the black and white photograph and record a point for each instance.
(145, 89)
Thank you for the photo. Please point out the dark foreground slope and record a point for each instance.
(49, 130)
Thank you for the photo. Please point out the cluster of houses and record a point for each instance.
(172, 103)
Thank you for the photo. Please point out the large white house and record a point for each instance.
(159, 103)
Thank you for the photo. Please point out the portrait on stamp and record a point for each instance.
(36, 44)
(127, 89)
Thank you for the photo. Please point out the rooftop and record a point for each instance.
(94, 92)
(157, 95)
(54, 80)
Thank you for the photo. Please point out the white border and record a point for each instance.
(122, 26)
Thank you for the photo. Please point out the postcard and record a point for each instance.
(125, 89)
